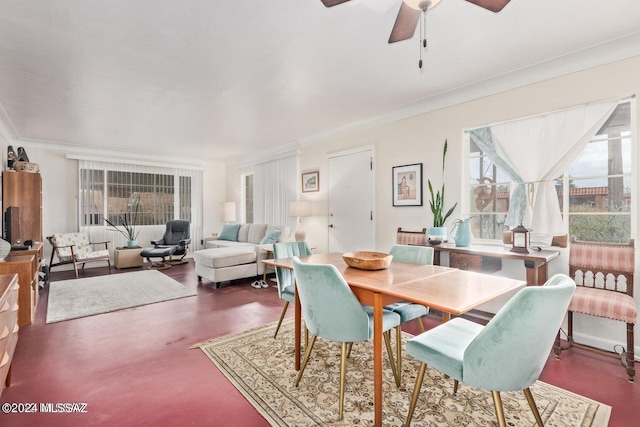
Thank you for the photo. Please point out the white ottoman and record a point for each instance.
(224, 264)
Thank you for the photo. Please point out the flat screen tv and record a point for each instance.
(12, 224)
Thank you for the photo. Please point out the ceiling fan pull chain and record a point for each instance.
(420, 42)
(424, 18)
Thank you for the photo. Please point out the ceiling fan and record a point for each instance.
(410, 10)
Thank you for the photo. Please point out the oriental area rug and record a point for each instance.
(75, 298)
(262, 369)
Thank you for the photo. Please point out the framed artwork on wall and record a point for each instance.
(310, 182)
(407, 185)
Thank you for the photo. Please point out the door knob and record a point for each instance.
(330, 225)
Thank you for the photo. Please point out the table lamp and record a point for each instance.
(228, 212)
(300, 208)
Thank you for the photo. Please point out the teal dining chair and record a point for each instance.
(408, 310)
(284, 276)
(332, 312)
(507, 354)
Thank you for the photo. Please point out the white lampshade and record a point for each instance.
(228, 212)
(300, 208)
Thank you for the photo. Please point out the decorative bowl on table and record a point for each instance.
(434, 242)
(365, 260)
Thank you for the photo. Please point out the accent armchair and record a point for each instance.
(408, 310)
(177, 235)
(507, 354)
(75, 248)
(332, 312)
(285, 277)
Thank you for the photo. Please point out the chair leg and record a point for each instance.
(284, 311)
(532, 405)
(306, 359)
(343, 374)
(416, 392)
(570, 327)
(399, 353)
(349, 347)
(497, 402)
(387, 342)
(420, 324)
(456, 383)
(75, 268)
(629, 362)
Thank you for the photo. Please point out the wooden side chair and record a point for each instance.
(404, 237)
(75, 248)
(604, 275)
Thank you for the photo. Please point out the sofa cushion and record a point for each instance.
(284, 232)
(225, 257)
(271, 236)
(256, 233)
(243, 233)
(229, 232)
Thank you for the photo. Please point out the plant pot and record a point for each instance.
(436, 235)
(132, 243)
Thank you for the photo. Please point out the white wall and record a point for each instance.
(419, 139)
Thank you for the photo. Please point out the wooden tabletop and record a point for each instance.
(446, 289)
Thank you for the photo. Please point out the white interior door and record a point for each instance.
(350, 180)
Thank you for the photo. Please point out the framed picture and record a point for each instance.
(407, 185)
(310, 182)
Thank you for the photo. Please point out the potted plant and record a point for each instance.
(438, 233)
(128, 221)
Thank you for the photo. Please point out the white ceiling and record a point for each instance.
(220, 79)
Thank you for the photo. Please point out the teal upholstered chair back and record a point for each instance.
(510, 352)
(285, 276)
(413, 254)
(331, 311)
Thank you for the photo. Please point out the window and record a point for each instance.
(153, 193)
(594, 194)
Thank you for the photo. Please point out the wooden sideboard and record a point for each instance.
(26, 267)
(488, 259)
(9, 290)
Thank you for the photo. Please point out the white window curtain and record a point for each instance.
(538, 150)
(274, 186)
(100, 232)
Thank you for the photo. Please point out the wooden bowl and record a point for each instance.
(365, 260)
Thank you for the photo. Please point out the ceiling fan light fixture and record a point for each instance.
(422, 4)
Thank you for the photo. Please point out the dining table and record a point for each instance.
(448, 290)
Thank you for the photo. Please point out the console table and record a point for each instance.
(488, 259)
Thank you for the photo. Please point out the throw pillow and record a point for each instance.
(271, 237)
(229, 232)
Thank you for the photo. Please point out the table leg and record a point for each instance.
(377, 357)
(298, 327)
(536, 272)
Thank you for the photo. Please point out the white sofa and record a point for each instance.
(231, 256)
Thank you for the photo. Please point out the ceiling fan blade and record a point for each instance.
(405, 25)
(492, 5)
(329, 3)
